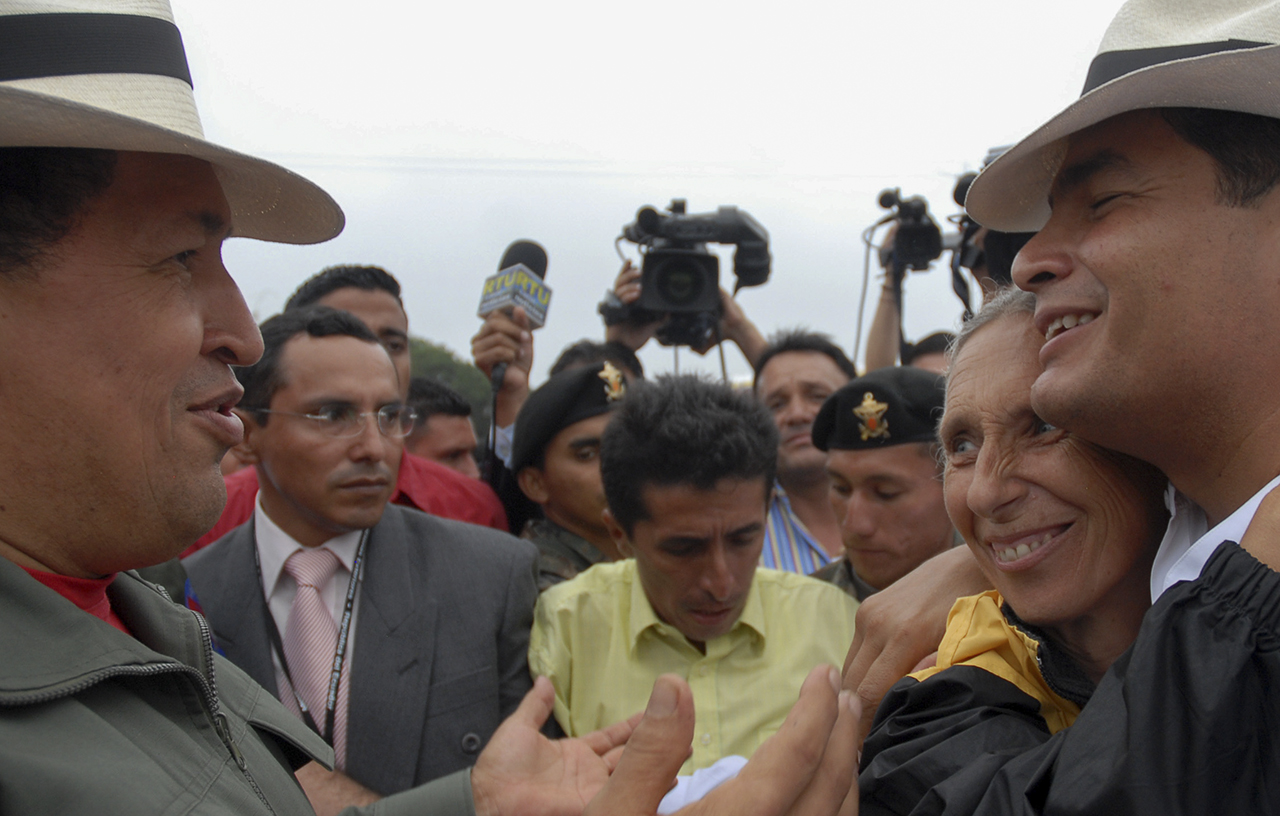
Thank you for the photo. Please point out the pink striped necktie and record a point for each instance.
(310, 638)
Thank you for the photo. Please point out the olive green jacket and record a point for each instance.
(96, 722)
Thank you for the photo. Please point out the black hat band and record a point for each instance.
(1115, 64)
(33, 46)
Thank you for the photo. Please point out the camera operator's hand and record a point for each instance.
(627, 289)
(506, 339)
(736, 326)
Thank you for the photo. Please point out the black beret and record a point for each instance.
(568, 397)
(888, 406)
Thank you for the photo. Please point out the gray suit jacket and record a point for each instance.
(441, 640)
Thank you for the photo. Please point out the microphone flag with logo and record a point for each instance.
(519, 282)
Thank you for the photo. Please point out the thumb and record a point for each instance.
(658, 747)
(537, 704)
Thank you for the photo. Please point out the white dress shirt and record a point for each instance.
(1188, 542)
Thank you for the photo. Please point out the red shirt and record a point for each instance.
(421, 483)
(90, 594)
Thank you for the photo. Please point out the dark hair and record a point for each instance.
(42, 191)
(428, 396)
(683, 430)
(589, 352)
(803, 340)
(1245, 147)
(333, 278)
(936, 343)
(263, 379)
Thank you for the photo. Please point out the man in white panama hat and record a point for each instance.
(118, 327)
(1156, 270)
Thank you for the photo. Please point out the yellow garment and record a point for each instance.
(979, 635)
(598, 640)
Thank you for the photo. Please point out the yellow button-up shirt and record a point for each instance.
(600, 643)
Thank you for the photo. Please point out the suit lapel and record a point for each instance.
(232, 594)
(391, 664)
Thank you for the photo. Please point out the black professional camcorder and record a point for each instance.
(918, 242)
(680, 277)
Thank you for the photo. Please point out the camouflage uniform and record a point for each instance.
(561, 554)
(840, 572)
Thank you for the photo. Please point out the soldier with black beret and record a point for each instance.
(556, 458)
(886, 489)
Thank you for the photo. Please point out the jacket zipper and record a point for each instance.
(208, 693)
(220, 723)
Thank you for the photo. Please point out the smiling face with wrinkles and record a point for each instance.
(1063, 528)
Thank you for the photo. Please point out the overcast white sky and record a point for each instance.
(448, 130)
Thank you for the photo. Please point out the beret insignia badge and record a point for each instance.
(614, 387)
(870, 413)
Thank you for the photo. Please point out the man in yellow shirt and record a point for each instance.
(687, 466)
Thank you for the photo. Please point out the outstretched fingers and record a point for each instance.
(834, 785)
(782, 769)
(537, 705)
(607, 741)
(659, 745)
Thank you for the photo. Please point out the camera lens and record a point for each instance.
(680, 283)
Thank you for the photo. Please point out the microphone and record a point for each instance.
(519, 282)
(529, 253)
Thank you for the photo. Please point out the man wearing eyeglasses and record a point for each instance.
(344, 604)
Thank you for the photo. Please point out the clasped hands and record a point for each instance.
(808, 768)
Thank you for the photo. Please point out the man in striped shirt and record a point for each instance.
(795, 374)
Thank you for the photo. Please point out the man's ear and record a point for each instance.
(619, 535)
(533, 485)
(247, 450)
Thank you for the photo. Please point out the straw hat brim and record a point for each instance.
(267, 201)
(1011, 194)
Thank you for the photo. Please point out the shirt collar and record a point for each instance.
(780, 494)
(643, 617)
(1188, 542)
(275, 546)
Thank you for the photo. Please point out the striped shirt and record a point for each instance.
(787, 544)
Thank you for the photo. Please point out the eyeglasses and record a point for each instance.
(344, 421)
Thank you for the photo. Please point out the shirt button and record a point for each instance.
(706, 739)
(702, 670)
(471, 743)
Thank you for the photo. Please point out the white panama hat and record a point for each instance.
(113, 74)
(1220, 54)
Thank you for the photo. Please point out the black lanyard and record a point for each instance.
(339, 653)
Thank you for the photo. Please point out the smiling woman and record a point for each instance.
(1064, 530)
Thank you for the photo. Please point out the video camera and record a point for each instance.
(918, 241)
(680, 277)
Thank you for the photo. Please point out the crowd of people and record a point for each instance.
(266, 572)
